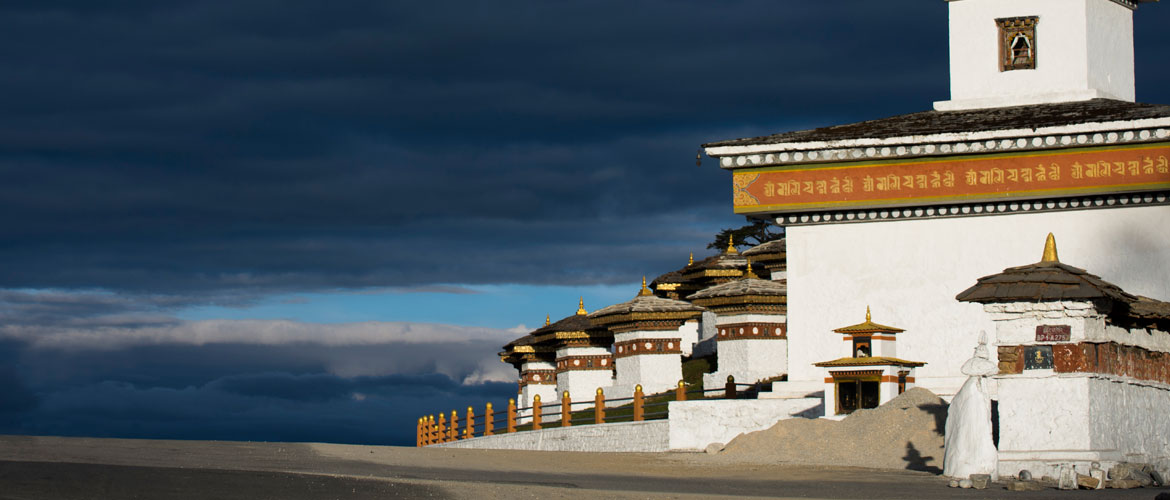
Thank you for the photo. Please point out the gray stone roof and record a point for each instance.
(646, 304)
(743, 287)
(774, 246)
(973, 120)
(1043, 281)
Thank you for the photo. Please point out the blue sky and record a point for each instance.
(493, 306)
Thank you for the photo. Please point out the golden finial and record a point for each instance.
(600, 392)
(867, 315)
(547, 320)
(565, 394)
(581, 307)
(699, 158)
(749, 273)
(731, 245)
(1050, 250)
(644, 291)
(691, 259)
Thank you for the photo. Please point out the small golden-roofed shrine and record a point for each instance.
(872, 374)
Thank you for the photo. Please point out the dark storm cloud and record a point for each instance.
(253, 380)
(284, 145)
(197, 147)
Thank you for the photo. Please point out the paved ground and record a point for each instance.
(71, 468)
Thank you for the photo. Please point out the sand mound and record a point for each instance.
(905, 433)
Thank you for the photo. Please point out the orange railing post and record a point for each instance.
(511, 424)
(470, 432)
(536, 412)
(680, 392)
(434, 437)
(638, 403)
(729, 389)
(488, 421)
(419, 440)
(599, 407)
(566, 410)
(442, 437)
(453, 429)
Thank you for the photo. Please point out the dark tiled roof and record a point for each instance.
(973, 120)
(671, 277)
(1043, 281)
(1151, 309)
(574, 323)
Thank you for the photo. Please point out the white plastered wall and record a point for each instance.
(547, 392)
(583, 384)
(749, 360)
(910, 271)
(654, 372)
(1084, 51)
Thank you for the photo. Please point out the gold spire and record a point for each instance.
(644, 291)
(581, 307)
(1050, 250)
(731, 245)
(867, 315)
(547, 320)
(691, 259)
(749, 273)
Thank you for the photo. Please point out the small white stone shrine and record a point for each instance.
(1084, 368)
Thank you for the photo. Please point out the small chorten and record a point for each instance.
(872, 374)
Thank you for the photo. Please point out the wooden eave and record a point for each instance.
(869, 361)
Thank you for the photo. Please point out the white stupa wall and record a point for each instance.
(1084, 51)
(582, 382)
(689, 334)
(548, 392)
(1048, 418)
(910, 271)
(750, 360)
(654, 372)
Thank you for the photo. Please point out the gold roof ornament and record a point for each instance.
(691, 259)
(547, 320)
(581, 307)
(750, 275)
(731, 245)
(868, 327)
(1050, 250)
(644, 292)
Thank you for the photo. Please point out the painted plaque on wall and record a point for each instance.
(1038, 357)
(969, 178)
(1053, 333)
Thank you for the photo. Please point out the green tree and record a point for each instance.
(756, 232)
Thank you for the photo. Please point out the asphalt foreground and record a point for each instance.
(78, 468)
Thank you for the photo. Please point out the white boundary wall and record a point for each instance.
(692, 426)
(621, 436)
(910, 271)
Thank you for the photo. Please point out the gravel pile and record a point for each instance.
(905, 433)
